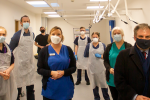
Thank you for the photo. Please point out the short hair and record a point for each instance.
(82, 27)
(41, 27)
(97, 33)
(117, 28)
(3, 29)
(22, 18)
(140, 26)
(53, 29)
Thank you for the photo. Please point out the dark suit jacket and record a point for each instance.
(129, 75)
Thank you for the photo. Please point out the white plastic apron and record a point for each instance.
(82, 61)
(24, 67)
(96, 68)
(8, 88)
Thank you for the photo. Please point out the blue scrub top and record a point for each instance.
(62, 88)
(77, 38)
(113, 53)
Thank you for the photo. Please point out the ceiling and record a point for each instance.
(68, 9)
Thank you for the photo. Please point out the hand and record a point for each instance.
(76, 57)
(55, 75)
(98, 55)
(140, 97)
(41, 47)
(111, 71)
(61, 73)
(4, 75)
(7, 71)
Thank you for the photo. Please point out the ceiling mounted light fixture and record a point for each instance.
(38, 3)
(50, 12)
(53, 15)
(94, 7)
(54, 4)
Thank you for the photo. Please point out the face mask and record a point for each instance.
(25, 25)
(95, 40)
(118, 37)
(42, 31)
(2, 39)
(55, 39)
(82, 32)
(143, 44)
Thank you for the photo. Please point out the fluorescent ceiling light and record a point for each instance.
(54, 4)
(94, 7)
(50, 13)
(53, 15)
(38, 3)
(100, 0)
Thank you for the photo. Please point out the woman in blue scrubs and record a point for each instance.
(56, 63)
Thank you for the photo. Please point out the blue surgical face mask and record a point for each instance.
(2, 39)
(118, 37)
(25, 25)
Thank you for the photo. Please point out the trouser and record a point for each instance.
(50, 99)
(114, 92)
(30, 92)
(79, 75)
(104, 92)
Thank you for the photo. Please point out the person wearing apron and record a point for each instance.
(8, 88)
(22, 46)
(56, 63)
(80, 44)
(96, 69)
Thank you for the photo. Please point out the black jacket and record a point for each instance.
(44, 69)
(106, 58)
(129, 75)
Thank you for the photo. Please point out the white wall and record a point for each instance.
(10, 12)
(67, 28)
(141, 16)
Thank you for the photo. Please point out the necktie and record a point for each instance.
(144, 53)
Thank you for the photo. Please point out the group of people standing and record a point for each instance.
(121, 67)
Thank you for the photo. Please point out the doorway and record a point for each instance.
(17, 25)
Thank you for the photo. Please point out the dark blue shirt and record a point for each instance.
(4, 50)
(86, 52)
(15, 39)
(76, 40)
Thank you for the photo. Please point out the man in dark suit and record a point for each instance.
(132, 72)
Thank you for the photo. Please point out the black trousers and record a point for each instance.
(30, 92)
(114, 92)
(104, 92)
(79, 75)
(50, 99)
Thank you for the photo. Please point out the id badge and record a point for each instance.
(52, 54)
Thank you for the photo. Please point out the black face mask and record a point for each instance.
(142, 43)
(42, 31)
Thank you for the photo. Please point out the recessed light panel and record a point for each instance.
(38, 3)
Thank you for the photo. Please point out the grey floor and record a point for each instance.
(82, 91)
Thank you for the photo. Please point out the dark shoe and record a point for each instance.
(77, 83)
(87, 83)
